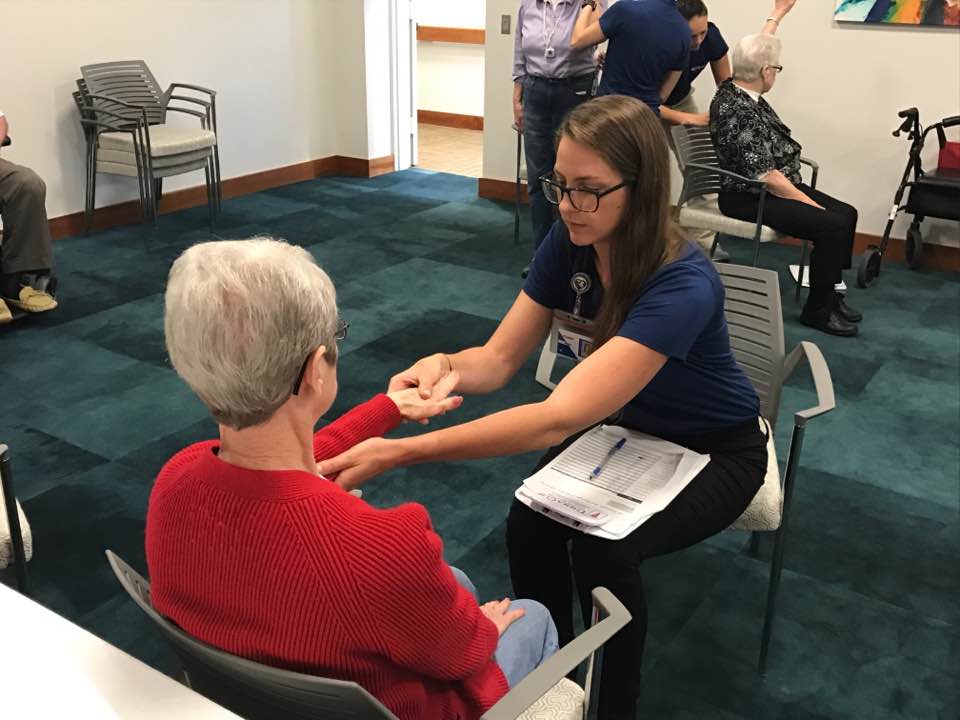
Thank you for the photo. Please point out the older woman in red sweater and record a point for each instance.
(252, 551)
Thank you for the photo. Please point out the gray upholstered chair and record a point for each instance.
(16, 541)
(124, 115)
(257, 691)
(697, 207)
(755, 322)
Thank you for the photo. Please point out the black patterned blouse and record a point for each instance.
(750, 139)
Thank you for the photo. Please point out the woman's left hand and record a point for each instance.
(362, 462)
(414, 407)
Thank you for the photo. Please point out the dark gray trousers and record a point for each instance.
(27, 244)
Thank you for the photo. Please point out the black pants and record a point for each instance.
(831, 231)
(541, 551)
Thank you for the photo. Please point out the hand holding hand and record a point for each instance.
(498, 612)
(423, 375)
(414, 406)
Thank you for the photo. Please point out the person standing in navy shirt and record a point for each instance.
(649, 47)
(661, 362)
(707, 47)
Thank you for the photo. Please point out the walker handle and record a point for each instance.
(950, 121)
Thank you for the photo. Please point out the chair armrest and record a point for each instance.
(187, 98)
(814, 166)
(187, 86)
(727, 173)
(188, 111)
(826, 401)
(540, 681)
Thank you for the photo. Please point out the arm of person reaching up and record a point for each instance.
(587, 31)
(780, 10)
(381, 414)
(422, 618)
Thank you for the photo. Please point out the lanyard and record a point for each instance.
(548, 34)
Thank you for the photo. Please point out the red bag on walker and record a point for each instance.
(949, 156)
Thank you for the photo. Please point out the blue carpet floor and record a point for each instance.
(869, 620)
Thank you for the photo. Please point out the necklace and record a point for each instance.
(548, 33)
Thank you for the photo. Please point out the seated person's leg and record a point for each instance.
(527, 642)
(27, 246)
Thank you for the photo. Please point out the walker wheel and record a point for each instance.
(914, 247)
(869, 267)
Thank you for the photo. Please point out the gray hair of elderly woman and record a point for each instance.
(752, 54)
(241, 316)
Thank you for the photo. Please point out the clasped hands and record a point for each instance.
(420, 392)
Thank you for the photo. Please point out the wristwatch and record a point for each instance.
(591, 3)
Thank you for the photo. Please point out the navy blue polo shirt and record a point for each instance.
(711, 49)
(648, 40)
(679, 313)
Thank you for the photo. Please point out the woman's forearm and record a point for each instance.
(515, 430)
(481, 370)
(778, 184)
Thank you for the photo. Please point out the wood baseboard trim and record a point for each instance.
(454, 120)
(503, 190)
(462, 36)
(130, 212)
(934, 257)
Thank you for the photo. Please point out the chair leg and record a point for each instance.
(13, 520)
(211, 195)
(88, 207)
(803, 265)
(756, 249)
(776, 562)
(158, 190)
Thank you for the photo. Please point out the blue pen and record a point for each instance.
(610, 453)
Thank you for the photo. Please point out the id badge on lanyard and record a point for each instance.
(573, 336)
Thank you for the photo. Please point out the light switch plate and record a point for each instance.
(504, 24)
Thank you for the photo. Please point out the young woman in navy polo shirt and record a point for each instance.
(661, 363)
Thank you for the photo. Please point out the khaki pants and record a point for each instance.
(26, 235)
(703, 238)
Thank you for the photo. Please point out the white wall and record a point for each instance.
(284, 71)
(840, 92)
(450, 76)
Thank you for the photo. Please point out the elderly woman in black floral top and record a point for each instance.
(752, 141)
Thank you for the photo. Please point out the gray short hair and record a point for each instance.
(753, 53)
(241, 316)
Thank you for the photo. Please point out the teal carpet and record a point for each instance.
(869, 616)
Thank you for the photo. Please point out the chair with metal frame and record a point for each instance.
(257, 691)
(702, 178)
(127, 90)
(16, 542)
(755, 323)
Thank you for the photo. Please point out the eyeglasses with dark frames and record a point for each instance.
(339, 334)
(776, 68)
(582, 199)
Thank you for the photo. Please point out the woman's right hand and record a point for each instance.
(499, 613)
(423, 375)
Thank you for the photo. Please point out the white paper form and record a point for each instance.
(638, 481)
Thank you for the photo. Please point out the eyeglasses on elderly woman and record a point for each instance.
(339, 334)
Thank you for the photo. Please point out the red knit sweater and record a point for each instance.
(289, 570)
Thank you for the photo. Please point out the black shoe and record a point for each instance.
(830, 321)
(845, 311)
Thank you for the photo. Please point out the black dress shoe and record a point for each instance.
(845, 311)
(830, 321)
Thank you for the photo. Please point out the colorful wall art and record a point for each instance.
(900, 12)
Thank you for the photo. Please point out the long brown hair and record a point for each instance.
(629, 137)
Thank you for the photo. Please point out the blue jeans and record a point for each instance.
(546, 102)
(527, 642)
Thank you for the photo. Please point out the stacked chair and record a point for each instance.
(123, 113)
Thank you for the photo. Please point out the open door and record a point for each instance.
(404, 83)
